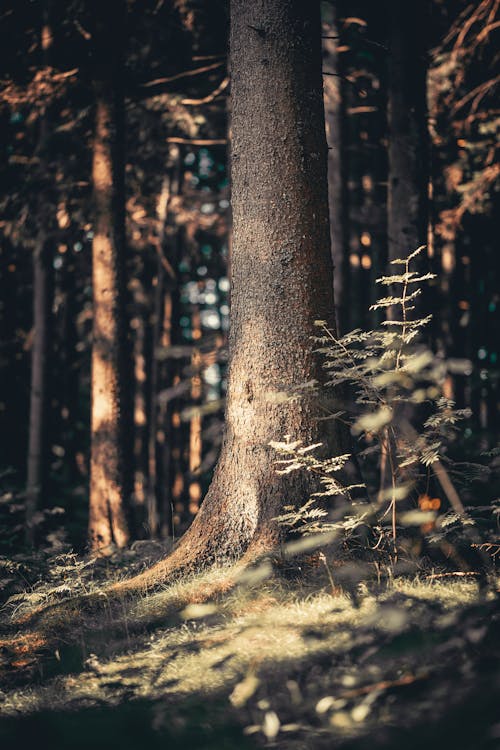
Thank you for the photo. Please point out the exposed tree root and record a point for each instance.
(81, 618)
(197, 551)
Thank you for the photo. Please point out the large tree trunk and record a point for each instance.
(408, 133)
(110, 474)
(281, 275)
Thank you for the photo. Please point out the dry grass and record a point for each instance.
(290, 663)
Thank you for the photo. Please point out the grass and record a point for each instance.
(273, 662)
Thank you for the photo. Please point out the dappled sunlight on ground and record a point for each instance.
(285, 663)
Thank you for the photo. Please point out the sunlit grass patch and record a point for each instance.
(291, 661)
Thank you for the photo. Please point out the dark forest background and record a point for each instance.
(177, 202)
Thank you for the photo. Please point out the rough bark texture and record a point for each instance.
(109, 482)
(281, 275)
(408, 134)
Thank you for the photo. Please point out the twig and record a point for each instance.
(198, 141)
(210, 97)
(477, 93)
(447, 485)
(441, 474)
(408, 679)
(184, 74)
(161, 257)
(448, 575)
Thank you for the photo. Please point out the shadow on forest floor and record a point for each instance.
(278, 664)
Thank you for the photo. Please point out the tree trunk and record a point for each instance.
(282, 281)
(110, 475)
(38, 390)
(196, 422)
(408, 153)
(337, 167)
(157, 332)
(167, 442)
(42, 306)
(408, 134)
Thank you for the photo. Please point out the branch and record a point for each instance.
(210, 97)
(384, 685)
(441, 475)
(478, 93)
(184, 74)
(161, 85)
(198, 141)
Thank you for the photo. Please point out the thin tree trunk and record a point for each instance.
(408, 167)
(408, 133)
(42, 306)
(196, 422)
(38, 390)
(282, 281)
(169, 474)
(70, 377)
(337, 163)
(152, 427)
(158, 322)
(110, 475)
(141, 356)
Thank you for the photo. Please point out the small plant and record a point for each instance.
(310, 518)
(397, 413)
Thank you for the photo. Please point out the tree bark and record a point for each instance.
(42, 307)
(282, 280)
(337, 167)
(42, 299)
(154, 506)
(408, 155)
(167, 442)
(110, 402)
(408, 133)
(196, 422)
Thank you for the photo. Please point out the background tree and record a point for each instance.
(335, 121)
(110, 403)
(407, 207)
(42, 311)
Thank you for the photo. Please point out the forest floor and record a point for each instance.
(273, 662)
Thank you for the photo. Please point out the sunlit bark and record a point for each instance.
(195, 427)
(109, 481)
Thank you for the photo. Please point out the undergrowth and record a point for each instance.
(371, 626)
(275, 661)
(403, 427)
